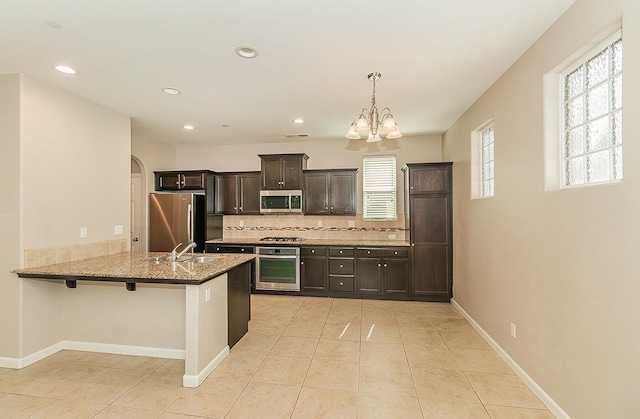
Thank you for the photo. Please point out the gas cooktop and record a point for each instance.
(281, 239)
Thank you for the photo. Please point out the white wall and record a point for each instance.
(74, 158)
(10, 245)
(335, 154)
(562, 265)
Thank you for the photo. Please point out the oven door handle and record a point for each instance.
(277, 256)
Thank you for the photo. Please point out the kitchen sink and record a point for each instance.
(194, 259)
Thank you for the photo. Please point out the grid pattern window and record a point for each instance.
(486, 161)
(379, 187)
(592, 117)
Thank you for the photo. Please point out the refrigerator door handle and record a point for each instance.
(189, 224)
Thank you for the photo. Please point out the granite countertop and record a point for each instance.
(316, 242)
(138, 268)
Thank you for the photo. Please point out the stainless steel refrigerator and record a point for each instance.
(176, 218)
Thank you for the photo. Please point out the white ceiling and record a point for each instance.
(436, 58)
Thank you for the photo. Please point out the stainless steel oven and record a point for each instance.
(278, 268)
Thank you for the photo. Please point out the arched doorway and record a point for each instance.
(138, 207)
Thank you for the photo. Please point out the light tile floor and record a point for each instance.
(302, 358)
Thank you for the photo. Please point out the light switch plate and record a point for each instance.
(118, 230)
(83, 232)
(241, 223)
(319, 223)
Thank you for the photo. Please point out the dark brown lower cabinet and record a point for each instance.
(239, 302)
(313, 269)
(383, 270)
(369, 275)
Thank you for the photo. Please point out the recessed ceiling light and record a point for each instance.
(247, 52)
(65, 69)
(171, 91)
(298, 121)
(53, 24)
(188, 127)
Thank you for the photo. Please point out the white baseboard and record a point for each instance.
(17, 363)
(196, 380)
(110, 348)
(526, 378)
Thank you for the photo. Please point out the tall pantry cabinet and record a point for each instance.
(428, 209)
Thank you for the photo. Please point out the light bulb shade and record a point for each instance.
(373, 138)
(362, 124)
(388, 123)
(394, 134)
(352, 134)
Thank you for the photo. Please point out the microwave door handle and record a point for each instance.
(290, 203)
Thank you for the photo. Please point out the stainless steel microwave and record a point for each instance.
(280, 201)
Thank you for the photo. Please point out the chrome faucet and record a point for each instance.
(190, 246)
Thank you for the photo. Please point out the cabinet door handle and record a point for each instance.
(341, 284)
(341, 266)
(395, 253)
(242, 250)
(301, 263)
(313, 251)
(217, 249)
(385, 265)
(341, 252)
(332, 208)
(379, 265)
(368, 252)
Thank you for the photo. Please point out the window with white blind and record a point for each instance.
(379, 188)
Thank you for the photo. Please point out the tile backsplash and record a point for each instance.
(42, 256)
(312, 227)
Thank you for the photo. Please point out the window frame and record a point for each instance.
(563, 101)
(477, 162)
(392, 190)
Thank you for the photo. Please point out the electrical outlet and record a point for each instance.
(241, 223)
(513, 330)
(83, 232)
(319, 223)
(207, 294)
(118, 230)
(392, 236)
(352, 223)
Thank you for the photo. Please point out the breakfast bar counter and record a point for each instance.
(181, 308)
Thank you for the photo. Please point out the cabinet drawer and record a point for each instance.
(313, 251)
(341, 283)
(217, 248)
(341, 251)
(386, 252)
(339, 266)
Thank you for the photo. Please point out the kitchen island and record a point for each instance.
(179, 307)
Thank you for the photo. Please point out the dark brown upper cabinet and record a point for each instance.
(182, 180)
(282, 171)
(238, 193)
(330, 192)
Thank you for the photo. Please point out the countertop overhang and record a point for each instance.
(137, 268)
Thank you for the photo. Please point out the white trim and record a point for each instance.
(526, 378)
(18, 363)
(196, 380)
(111, 348)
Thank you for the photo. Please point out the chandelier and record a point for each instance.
(370, 121)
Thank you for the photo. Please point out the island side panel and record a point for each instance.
(105, 317)
(206, 329)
